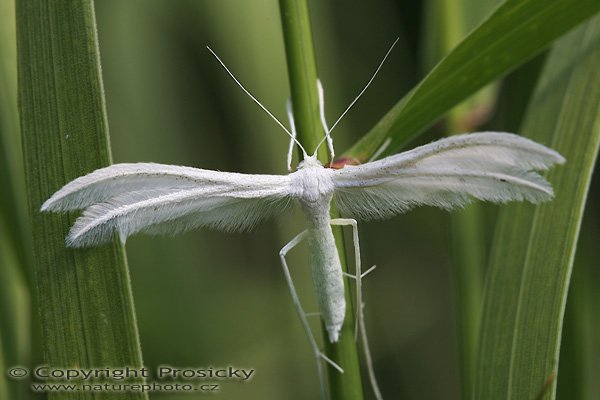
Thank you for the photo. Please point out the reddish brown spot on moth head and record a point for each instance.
(343, 161)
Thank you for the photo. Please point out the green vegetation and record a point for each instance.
(472, 307)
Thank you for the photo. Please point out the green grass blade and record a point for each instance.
(12, 204)
(84, 296)
(4, 390)
(15, 302)
(515, 32)
(15, 313)
(12, 199)
(534, 247)
(580, 355)
(303, 83)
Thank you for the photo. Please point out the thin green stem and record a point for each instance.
(451, 21)
(468, 253)
(302, 74)
(303, 84)
(468, 259)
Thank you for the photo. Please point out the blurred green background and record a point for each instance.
(216, 299)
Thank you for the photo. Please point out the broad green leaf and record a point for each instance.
(512, 34)
(534, 247)
(84, 297)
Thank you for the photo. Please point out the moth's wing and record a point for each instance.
(449, 173)
(154, 198)
(106, 183)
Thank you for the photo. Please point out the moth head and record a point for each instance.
(309, 161)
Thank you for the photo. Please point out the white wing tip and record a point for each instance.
(57, 203)
(49, 205)
(46, 206)
(78, 240)
(555, 156)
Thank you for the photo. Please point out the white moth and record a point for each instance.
(449, 173)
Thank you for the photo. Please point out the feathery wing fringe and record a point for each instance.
(449, 173)
(155, 198)
(168, 214)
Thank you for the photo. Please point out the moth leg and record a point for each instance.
(313, 343)
(323, 120)
(358, 274)
(360, 320)
(367, 272)
(313, 314)
(358, 278)
(290, 114)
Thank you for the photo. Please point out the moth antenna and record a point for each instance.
(290, 113)
(255, 99)
(366, 86)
